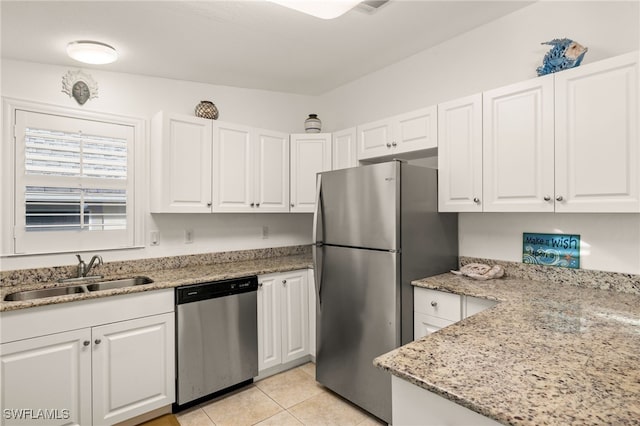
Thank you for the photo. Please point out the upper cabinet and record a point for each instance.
(250, 169)
(460, 155)
(518, 147)
(565, 142)
(202, 166)
(180, 164)
(344, 149)
(310, 155)
(413, 131)
(596, 122)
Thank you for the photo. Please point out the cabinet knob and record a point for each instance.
(388, 145)
(97, 341)
(86, 343)
(476, 200)
(434, 303)
(284, 282)
(547, 198)
(252, 204)
(394, 143)
(209, 204)
(260, 285)
(293, 205)
(559, 198)
(257, 204)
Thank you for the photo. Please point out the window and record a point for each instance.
(74, 184)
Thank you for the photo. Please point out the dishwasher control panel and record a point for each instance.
(213, 289)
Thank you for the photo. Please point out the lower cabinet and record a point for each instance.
(283, 318)
(433, 309)
(96, 375)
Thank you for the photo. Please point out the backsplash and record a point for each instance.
(624, 283)
(17, 277)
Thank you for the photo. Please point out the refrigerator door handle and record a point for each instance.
(316, 245)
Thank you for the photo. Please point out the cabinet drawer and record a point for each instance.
(437, 303)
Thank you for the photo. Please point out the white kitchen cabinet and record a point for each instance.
(251, 169)
(310, 155)
(49, 372)
(518, 145)
(460, 155)
(283, 318)
(82, 356)
(312, 313)
(413, 405)
(180, 165)
(597, 158)
(142, 349)
(433, 310)
(344, 149)
(409, 132)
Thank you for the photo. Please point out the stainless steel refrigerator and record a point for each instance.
(376, 228)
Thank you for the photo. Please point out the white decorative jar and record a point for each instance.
(312, 124)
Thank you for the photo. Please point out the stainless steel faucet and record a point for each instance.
(83, 268)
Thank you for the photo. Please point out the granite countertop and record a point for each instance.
(547, 354)
(164, 278)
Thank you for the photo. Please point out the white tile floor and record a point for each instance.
(289, 398)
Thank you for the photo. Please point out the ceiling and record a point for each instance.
(251, 44)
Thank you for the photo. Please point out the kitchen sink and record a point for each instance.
(76, 289)
(125, 282)
(47, 292)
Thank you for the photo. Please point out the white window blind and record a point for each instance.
(74, 184)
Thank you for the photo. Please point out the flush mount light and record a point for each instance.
(325, 9)
(91, 52)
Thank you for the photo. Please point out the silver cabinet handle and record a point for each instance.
(293, 205)
(434, 303)
(97, 341)
(260, 285)
(257, 204)
(476, 200)
(209, 204)
(559, 198)
(388, 145)
(284, 282)
(394, 143)
(547, 198)
(252, 204)
(86, 343)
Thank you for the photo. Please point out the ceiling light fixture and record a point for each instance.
(91, 52)
(324, 9)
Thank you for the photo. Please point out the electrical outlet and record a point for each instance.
(265, 232)
(154, 238)
(188, 236)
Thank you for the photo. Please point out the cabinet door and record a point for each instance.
(518, 170)
(133, 367)
(180, 164)
(269, 322)
(233, 165)
(310, 155)
(51, 372)
(597, 158)
(460, 155)
(416, 130)
(295, 316)
(424, 325)
(344, 149)
(271, 193)
(374, 139)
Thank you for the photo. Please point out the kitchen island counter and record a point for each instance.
(548, 353)
(163, 277)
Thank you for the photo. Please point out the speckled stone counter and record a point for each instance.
(165, 273)
(547, 354)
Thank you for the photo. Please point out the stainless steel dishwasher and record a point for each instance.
(216, 337)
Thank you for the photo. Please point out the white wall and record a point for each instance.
(141, 96)
(502, 52)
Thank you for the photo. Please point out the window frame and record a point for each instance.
(136, 173)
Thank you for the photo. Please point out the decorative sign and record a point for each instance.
(551, 249)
